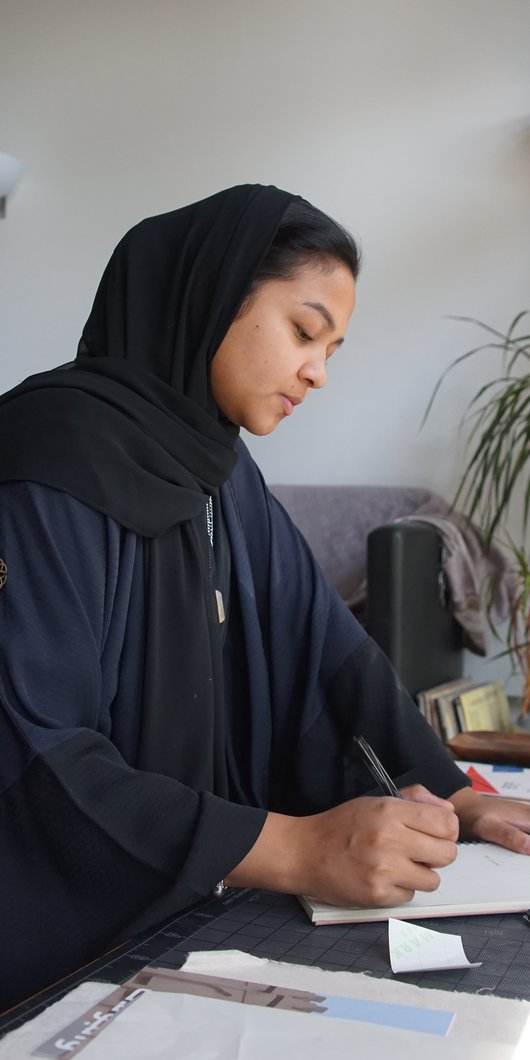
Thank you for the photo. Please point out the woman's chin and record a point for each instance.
(261, 429)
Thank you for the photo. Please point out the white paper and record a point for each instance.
(419, 949)
(182, 1027)
(481, 1018)
(512, 782)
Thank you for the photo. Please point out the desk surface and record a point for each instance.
(275, 926)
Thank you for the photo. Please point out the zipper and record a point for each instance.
(211, 561)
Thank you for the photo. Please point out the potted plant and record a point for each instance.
(497, 470)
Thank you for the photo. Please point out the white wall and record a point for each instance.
(406, 119)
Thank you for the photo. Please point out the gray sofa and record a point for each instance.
(390, 574)
(336, 522)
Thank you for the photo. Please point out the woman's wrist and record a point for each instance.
(274, 862)
(467, 806)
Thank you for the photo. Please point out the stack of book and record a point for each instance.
(464, 706)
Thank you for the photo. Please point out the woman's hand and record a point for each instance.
(502, 821)
(368, 852)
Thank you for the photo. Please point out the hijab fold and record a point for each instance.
(131, 429)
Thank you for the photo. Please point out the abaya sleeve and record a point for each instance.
(311, 674)
(93, 850)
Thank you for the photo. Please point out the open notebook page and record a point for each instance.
(484, 879)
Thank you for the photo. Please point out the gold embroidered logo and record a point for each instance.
(3, 573)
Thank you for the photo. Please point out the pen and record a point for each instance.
(376, 768)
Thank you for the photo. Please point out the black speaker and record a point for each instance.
(408, 612)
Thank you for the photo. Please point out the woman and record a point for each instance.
(179, 686)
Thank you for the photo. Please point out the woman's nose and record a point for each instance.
(314, 372)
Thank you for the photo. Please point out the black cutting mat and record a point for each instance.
(275, 926)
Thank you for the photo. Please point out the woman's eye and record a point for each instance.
(303, 334)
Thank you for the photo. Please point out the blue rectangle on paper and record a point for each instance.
(508, 769)
(404, 1017)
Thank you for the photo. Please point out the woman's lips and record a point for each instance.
(288, 403)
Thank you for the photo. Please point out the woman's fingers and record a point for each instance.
(495, 820)
(418, 793)
(422, 815)
(494, 829)
(434, 852)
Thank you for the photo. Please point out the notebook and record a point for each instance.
(484, 879)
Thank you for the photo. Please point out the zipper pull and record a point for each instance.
(220, 605)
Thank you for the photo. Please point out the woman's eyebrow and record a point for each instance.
(324, 311)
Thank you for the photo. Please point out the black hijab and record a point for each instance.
(131, 429)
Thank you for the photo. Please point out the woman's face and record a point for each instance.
(277, 349)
